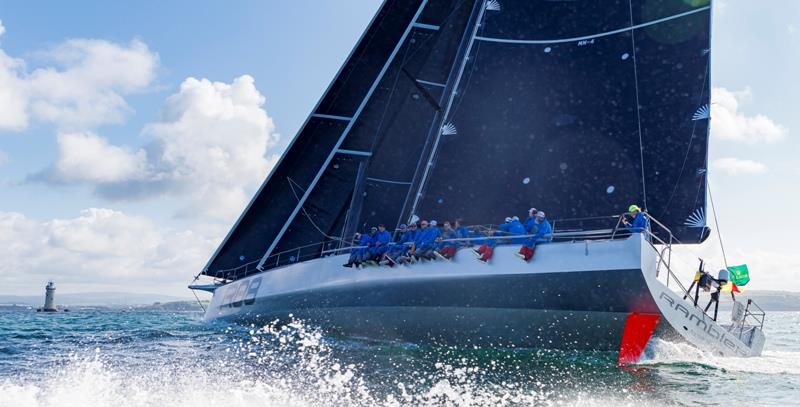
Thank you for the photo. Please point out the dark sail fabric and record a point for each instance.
(480, 109)
(567, 109)
(376, 115)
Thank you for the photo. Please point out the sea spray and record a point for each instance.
(121, 359)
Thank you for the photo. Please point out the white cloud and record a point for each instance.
(791, 28)
(209, 149)
(3, 158)
(88, 157)
(83, 87)
(737, 166)
(101, 248)
(727, 123)
(13, 114)
(213, 139)
(2, 28)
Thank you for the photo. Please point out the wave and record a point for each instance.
(297, 366)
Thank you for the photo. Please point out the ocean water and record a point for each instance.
(120, 359)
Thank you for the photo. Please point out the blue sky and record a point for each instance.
(291, 50)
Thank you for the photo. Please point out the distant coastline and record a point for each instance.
(769, 300)
(97, 299)
(172, 306)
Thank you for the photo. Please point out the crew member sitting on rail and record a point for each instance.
(447, 250)
(530, 223)
(413, 251)
(486, 250)
(543, 234)
(400, 248)
(639, 220)
(429, 242)
(357, 253)
(505, 227)
(380, 241)
(516, 228)
(368, 257)
(462, 233)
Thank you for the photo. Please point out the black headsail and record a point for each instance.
(479, 108)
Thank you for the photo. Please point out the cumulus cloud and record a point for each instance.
(88, 157)
(13, 114)
(737, 166)
(728, 123)
(82, 87)
(210, 148)
(99, 247)
(213, 138)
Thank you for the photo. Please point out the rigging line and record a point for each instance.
(292, 184)
(716, 223)
(198, 301)
(638, 106)
(588, 37)
(468, 81)
(691, 141)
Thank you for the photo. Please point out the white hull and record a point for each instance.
(573, 295)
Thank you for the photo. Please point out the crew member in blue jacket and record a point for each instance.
(380, 243)
(357, 253)
(543, 234)
(505, 227)
(516, 228)
(461, 232)
(428, 242)
(639, 220)
(414, 250)
(530, 223)
(400, 248)
(446, 250)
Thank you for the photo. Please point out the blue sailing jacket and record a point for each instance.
(516, 228)
(384, 238)
(639, 223)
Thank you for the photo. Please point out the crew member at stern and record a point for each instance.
(639, 220)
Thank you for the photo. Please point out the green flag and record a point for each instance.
(739, 274)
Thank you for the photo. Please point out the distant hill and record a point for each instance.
(102, 299)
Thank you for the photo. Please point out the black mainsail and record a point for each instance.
(481, 108)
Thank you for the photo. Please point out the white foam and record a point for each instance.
(288, 366)
(770, 362)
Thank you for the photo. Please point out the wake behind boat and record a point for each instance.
(475, 109)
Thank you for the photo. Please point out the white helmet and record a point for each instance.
(540, 214)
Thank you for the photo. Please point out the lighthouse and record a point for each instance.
(50, 297)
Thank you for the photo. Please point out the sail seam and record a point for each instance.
(638, 109)
(587, 37)
(346, 131)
